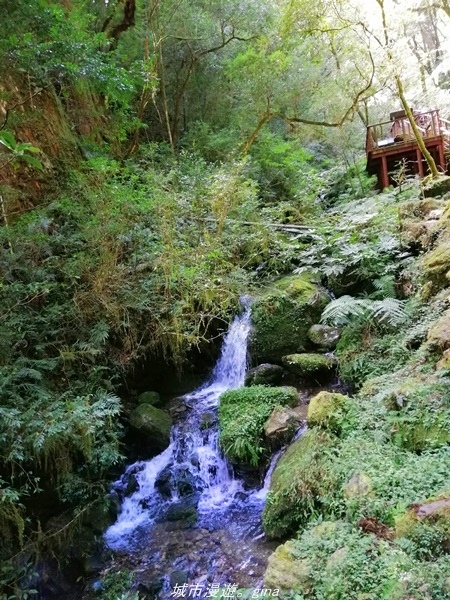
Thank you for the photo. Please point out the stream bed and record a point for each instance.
(186, 519)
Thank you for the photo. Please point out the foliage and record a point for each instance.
(242, 415)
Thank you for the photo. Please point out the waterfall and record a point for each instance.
(191, 472)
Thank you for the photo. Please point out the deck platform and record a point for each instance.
(390, 143)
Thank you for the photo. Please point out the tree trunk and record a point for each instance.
(430, 160)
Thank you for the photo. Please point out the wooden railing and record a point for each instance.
(399, 131)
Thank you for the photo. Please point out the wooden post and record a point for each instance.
(442, 155)
(419, 162)
(384, 173)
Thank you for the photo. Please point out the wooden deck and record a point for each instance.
(391, 142)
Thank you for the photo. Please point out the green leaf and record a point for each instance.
(34, 162)
(8, 140)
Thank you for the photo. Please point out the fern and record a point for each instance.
(347, 309)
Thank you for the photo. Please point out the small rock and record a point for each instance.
(281, 426)
(152, 398)
(324, 337)
(265, 374)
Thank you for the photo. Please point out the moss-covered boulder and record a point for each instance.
(324, 336)
(436, 265)
(327, 409)
(285, 571)
(439, 333)
(437, 187)
(358, 486)
(153, 427)
(310, 366)
(242, 416)
(265, 374)
(282, 316)
(301, 478)
(152, 398)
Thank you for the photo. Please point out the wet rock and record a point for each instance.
(282, 316)
(183, 511)
(265, 374)
(178, 578)
(324, 337)
(207, 420)
(93, 564)
(286, 571)
(152, 425)
(152, 398)
(327, 410)
(176, 479)
(310, 366)
(281, 426)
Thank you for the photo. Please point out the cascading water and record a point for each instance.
(184, 515)
(192, 472)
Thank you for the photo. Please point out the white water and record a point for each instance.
(193, 454)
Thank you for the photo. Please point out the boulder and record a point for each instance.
(310, 366)
(265, 374)
(285, 571)
(324, 336)
(437, 187)
(152, 425)
(242, 415)
(302, 476)
(439, 333)
(327, 410)
(152, 398)
(436, 265)
(282, 316)
(281, 426)
(359, 485)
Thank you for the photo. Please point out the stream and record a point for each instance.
(186, 517)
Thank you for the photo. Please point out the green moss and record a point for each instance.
(324, 336)
(152, 424)
(301, 478)
(242, 415)
(327, 410)
(439, 333)
(285, 571)
(436, 265)
(283, 315)
(152, 398)
(427, 527)
(335, 561)
(309, 365)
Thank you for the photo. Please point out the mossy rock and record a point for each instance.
(360, 485)
(302, 476)
(242, 416)
(281, 426)
(285, 571)
(439, 333)
(310, 366)
(152, 398)
(324, 336)
(282, 316)
(417, 209)
(436, 265)
(327, 410)
(265, 374)
(437, 187)
(153, 426)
